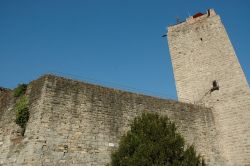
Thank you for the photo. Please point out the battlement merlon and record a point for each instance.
(193, 19)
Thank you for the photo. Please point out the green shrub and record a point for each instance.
(19, 90)
(154, 141)
(22, 112)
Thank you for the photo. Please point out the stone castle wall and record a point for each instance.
(74, 123)
(233, 123)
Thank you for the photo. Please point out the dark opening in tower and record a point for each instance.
(215, 86)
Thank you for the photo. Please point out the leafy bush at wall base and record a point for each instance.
(154, 141)
(22, 113)
(19, 90)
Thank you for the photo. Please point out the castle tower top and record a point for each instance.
(203, 58)
(192, 19)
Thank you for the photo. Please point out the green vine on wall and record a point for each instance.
(21, 107)
(19, 90)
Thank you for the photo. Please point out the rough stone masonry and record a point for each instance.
(207, 72)
(75, 123)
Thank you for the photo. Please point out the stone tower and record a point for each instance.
(201, 54)
(207, 72)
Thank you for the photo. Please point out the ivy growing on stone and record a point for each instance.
(22, 112)
(19, 90)
(21, 106)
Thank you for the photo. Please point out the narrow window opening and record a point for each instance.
(65, 151)
(215, 86)
(208, 12)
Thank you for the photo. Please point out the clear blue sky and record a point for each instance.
(116, 43)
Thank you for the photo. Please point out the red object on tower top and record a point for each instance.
(198, 15)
